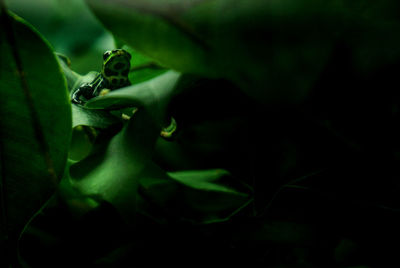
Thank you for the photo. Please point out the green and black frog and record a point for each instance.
(113, 75)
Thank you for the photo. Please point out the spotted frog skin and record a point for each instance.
(113, 75)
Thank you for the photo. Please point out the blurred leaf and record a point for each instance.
(142, 68)
(145, 72)
(153, 94)
(74, 80)
(275, 231)
(273, 50)
(35, 126)
(198, 196)
(344, 250)
(70, 27)
(72, 77)
(211, 195)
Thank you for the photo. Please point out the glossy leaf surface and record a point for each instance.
(35, 125)
(153, 94)
(113, 172)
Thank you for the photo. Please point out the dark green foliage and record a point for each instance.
(285, 151)
(35, 125)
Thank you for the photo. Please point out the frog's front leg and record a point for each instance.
(82, 94)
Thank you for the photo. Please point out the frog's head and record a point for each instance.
(116, 65)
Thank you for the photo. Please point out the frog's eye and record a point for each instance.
(106, 55)
(129, 55)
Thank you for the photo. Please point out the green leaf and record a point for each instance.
(198, 196)
(92, 118)
(204, 180)
(83, 138)
(72, 77)
(114, 171)
(153, 94)
(211, 195)
(70, 27)
(274, 50)
(142, 68)
(35, 125)
(271, 49)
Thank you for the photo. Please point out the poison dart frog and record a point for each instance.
(113, 75)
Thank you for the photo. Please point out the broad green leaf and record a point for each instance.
(153, 94)
(274, 50)
(92, 118)
(116, 171)
(113, 172)
(271, 49)
(35, 125)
